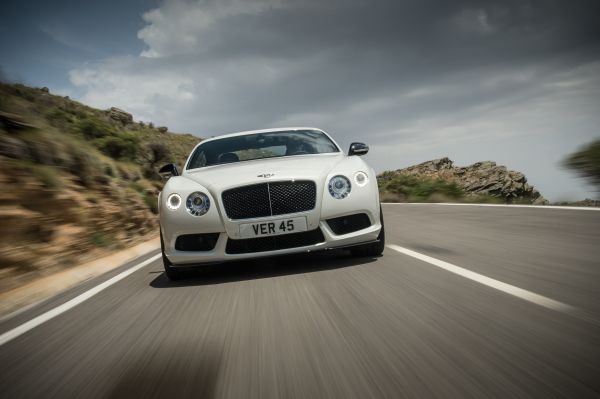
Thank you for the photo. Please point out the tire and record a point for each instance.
(372, 249)
(171, 273)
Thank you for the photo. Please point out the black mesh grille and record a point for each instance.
(291, 197)
(349, 224)
(285, 197)
(247, 201)
(264, 244)
(196, 242)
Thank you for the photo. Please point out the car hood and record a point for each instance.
(221, 177)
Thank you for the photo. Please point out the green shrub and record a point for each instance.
(108, 171)
(75, 111)
(95, 128)
(81, 165)
(101, 240)
(47, 175)
(58, 118)
(137, 187)
(150, 173)
(427, 188)
(399, 184)
(155, 153)
(152, 203)
(586, 162)
(413, 188)
(24, 92)
(122, 146)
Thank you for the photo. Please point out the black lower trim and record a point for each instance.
(273, 243)
(196, 242)
(349, 224)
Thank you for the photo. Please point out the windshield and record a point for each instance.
(261, 145)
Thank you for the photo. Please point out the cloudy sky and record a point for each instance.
(517, 82)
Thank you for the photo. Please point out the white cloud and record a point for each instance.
(150, 93)
(183, 27)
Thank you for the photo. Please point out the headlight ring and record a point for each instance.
(361, 179)
(197, 203)
(339, 187)
(173, 201)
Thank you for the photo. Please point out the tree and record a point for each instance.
(586, 162)
(155, 153)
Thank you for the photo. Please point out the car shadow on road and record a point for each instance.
(263, 268)
(174, 370)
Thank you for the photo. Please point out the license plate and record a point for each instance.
(273, 227)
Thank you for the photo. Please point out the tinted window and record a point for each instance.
(260, 146)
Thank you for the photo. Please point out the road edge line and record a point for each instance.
(569, 208)
(488, 281)
(44, 317)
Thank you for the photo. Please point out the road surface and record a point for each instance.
(467, 302)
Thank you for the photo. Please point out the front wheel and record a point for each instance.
(171, 273)
(374, 248)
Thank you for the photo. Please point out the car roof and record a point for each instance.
(278, 129)
(271, 130)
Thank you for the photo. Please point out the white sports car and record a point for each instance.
(268, 192)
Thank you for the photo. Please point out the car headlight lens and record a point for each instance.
(197, 203)
(173, 202)
(361, 179)
(339, 187)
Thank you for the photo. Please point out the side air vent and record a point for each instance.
(196, 242)
(349, 224)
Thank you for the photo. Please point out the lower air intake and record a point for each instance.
(273, 243)
(196, 242)
(349, 224)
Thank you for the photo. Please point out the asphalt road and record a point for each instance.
(328, 325)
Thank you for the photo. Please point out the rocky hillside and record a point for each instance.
(76, 181)
(439, 180)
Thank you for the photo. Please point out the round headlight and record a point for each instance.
(361, 179)
(339, 187)
(173, 201)
(197, 203)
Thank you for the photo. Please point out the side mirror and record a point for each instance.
(168, 171)
(358, 149)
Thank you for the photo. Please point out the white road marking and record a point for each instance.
(490, 282)
(44, 317)
(572, 208)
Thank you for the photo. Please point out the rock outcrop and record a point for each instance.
(120, 115)
(481, 178)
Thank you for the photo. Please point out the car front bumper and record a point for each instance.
(218, 253)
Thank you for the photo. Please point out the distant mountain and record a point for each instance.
(439, 180)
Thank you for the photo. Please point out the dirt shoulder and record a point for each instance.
(40, 289)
